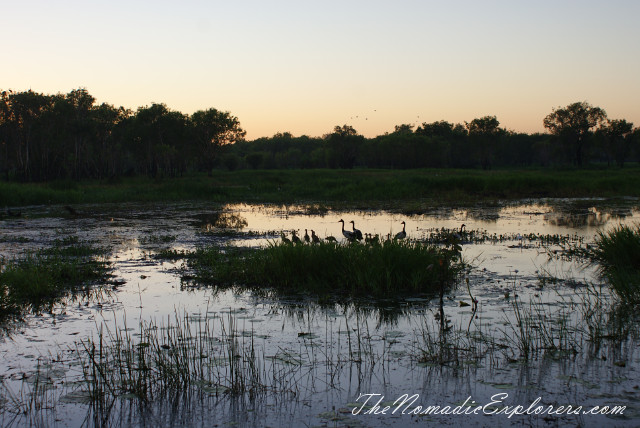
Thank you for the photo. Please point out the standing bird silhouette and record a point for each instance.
(346, 233)
(356, 232)
(403, 233)
(306, 236)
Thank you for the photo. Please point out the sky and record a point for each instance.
(306, 66)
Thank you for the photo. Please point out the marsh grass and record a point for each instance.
(617, 255)
(36, 280)
(183, 355)
(391, 268)
(335, 186)
(584, 325)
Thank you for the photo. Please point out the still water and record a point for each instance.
(320, 363)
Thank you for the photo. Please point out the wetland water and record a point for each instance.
(314, 361)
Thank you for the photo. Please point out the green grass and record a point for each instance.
(617, 253)
(388, 269)
(36, 280)
(336, 186)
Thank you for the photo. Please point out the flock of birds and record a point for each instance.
(351, 235)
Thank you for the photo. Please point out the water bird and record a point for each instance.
(458, 235)
(356, 232)
(295, 238)
(284, 238)
(314, 237)
(346, 233)
(402, 234)
(331, 239)
(306, 236)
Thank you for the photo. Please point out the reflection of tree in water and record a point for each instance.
(220, 220)
(578, 215)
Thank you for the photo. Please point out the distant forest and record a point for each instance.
(69, 136)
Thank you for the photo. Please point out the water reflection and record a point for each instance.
(220, 220)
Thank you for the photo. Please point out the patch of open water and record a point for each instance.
(335, 354)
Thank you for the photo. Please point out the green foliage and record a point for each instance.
(617, 253)
(383, 270)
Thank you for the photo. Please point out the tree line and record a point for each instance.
(578, 134)
(69, 136)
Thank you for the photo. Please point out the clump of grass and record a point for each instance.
(38, 279)
(617, 253)
(386, 269)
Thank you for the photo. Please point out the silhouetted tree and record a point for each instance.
(110, 153)
(441, 128)
(405, 128)
(159, 138)
(343, 145)
(572, 126)
(213, 129)
(484, 133)
(22, 124)
(616, 135)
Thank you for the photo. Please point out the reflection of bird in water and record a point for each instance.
(295, 238)
(314, 237)
(306, 236)
(346, 233)
(403, 233)
(356, 232)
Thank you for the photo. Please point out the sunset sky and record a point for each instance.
(304, 67)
